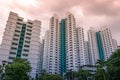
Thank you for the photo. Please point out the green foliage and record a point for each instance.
(101, 64)
(100, 74)
(70, 74)
(112, 70)
(46, 76)
(113, 66)
(80, 74)
(51, 77)
(43, 73)
(18, 70)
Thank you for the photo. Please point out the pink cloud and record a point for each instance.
(87, 12)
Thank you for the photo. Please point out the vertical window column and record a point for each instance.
(21, 41)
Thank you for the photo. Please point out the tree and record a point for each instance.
(18, 70)
(100, 73)
(101, 64)
(43, 75)
(50, 77)
(79, 75)
(70, 74)
(54, 77)
(82, 74)
(43, 72)
(113, 66)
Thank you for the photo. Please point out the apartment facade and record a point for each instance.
(81, 47)
(107, 43)
(21, 40)
(71, 43)
(53, 47)
(93, 46)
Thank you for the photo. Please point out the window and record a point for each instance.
(28, 34)
(13, 48)
(26, 50)
(16, 35)
(15, 39)
(14, 43)
(29, 30)
(27, 41)
(11, 57)
(30, 23)
(25, 54)
(28, 38)
(20, 20)
(12, 53)
(30, 26)
(19, 23)
(17, 31)
(26, 46)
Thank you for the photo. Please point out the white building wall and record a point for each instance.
(87, 55)
(71, 43)
(114, 44)
(93, 47)
(53, 50)
(40, 61)
(81, 53)
(45, 53)
(34, 47)
(11, 39)
(106, 42)
(8, 37)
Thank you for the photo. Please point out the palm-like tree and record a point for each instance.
(101, 64)
(69, 74)
(82, 74)
(100, 73)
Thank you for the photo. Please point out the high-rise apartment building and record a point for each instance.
(101, 44)
(45, 53)
(53, 47)
(61, 46)
(40, 59)
(71, 43)
(81, 47)
(86, 52)
(107, 44)
(65, 48)
(93, 46)
(21, 40)
(114, 44)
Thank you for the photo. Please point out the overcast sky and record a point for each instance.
(88, 13)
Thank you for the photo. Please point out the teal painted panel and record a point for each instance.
(63, 50)
(21, 40)
(101, 54)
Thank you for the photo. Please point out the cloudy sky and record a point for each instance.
(88, 13)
